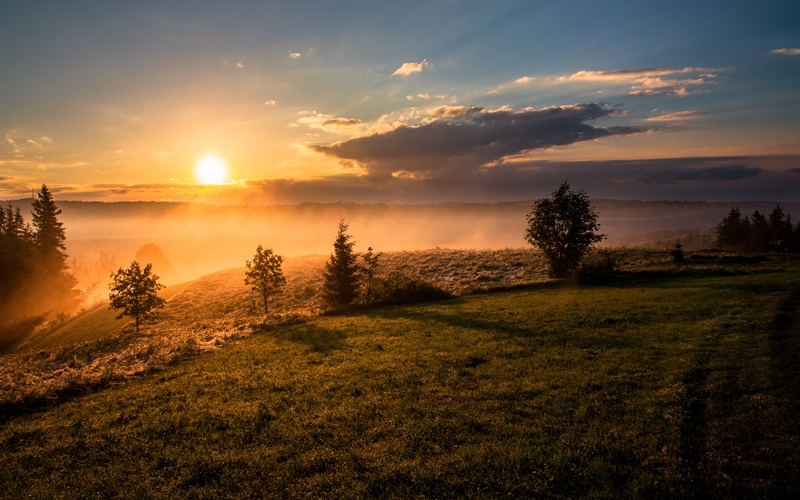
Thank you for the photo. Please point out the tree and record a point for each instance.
(152, 253)
(734, 231)
(135, 292)
(369, 269)
(341, 271)
(264, 274)
(50, 235)
(759, 232)
(564, 227)
(780, 226)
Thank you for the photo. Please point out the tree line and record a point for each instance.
(33, 271)
(758, 232)
(563, 227)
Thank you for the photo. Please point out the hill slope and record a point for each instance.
(656, 384)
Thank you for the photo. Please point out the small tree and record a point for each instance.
(264, 274)
(135, 292)
(341, 271)
(564, 227)
(368, 269)
(677, 253)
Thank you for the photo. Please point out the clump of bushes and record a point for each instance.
(598, 263)
(400, 288)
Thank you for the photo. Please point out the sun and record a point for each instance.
(211, 170)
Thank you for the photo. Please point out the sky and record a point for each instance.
(275, 102)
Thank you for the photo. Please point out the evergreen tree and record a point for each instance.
(759, 232)
(780, 228)
(734, 231)
(49, 236)
(369, 269)
(341, 272)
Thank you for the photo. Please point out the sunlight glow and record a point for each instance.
(211, 170)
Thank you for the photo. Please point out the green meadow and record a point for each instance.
(658, 383)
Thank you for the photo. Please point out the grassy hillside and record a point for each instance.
(651, 382)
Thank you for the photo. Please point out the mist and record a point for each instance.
(197, 239)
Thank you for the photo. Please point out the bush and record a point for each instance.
(598, 263)
(399, 288)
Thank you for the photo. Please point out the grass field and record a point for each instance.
(650, 382)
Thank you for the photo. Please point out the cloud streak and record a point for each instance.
(677, 116)
(651, 81)
(786, 52)
(464, 138)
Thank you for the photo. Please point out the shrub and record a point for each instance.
(400, 288)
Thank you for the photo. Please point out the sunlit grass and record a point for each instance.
(678, 384)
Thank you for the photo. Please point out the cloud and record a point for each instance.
(453, 140)
(677, 116)
(330, 123)
(410, 68)
(735, 172)
(294, 55)
(270, 102)
(651, 81)
(523, 80)
(786, 52)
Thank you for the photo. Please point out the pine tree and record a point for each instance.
(341, 272)
(733, 233)
(49, 236)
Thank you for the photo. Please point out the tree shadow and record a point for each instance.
(315, 337)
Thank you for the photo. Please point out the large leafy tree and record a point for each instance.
(563, 226)
(341, 271)
(264, 274)
(134, 291)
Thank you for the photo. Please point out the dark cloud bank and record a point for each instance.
(461, 153)
(459, 139)
(688, 179)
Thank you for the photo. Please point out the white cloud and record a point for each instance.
(331, 123)
(651, 81)
(677, 116)
(270, 102)
(294, 55)
(410, 68)
(523, 80)
(786, 52)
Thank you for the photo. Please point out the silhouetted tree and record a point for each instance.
(264, 274)
(759, 232)
(50, 235)
(341, 278)
(564, 227)
(368, 269)
(780, 225)
(135, 292)
(152, 253)
(677, 253)
(734, 231)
